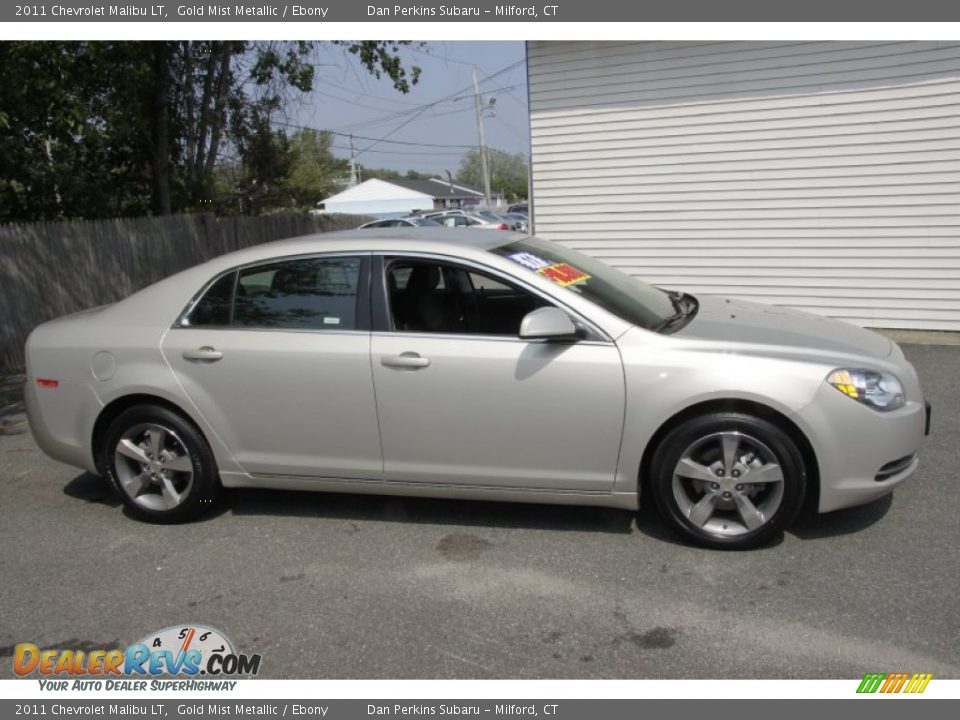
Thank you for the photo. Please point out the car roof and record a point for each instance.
(395, 239)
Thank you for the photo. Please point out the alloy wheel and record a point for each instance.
(154, 466)
(728, 484)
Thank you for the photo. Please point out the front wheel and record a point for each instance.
(728, 480)
(159, 464)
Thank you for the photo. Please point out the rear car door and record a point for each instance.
(275, 356)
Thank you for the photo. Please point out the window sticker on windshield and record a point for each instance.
(529, 260)
(563, 274)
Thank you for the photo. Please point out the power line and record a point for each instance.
(364, 137)
(448, 153)
(457, 95)
(442, 58)
(366, 95)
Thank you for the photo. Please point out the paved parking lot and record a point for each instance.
(340, 586)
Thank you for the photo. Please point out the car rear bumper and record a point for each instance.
(60, 420)
(862, 454)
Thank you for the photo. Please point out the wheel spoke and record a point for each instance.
(136, 485)
(769, 473)
(170, 495)
(178, 463)
(730, 443)
(703, 510)
(158, 438)
(128, 449)
(695, 471)
(749, 513)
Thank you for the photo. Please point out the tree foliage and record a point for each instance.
(508, 173)
(315, 171)
(100, 129)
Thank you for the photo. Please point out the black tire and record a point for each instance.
(702, 438)
(200, 487)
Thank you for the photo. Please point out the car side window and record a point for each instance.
(304, 294)
(213, 309)
(433, 297)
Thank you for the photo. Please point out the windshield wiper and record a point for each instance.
(686, 307)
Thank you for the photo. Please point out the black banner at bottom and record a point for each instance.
(873, 708)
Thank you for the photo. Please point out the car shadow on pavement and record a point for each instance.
(472, 513)
(429, 511)
(92, 489)
(652, 525)
(809, 526)
(382, 508)
(841, 522)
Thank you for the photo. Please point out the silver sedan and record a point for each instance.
(492, 366)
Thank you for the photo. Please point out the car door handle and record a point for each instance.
(408, 360)
(203, 353)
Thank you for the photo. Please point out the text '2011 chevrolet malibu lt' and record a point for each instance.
(436, 362)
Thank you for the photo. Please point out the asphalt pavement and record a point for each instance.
(338, 586)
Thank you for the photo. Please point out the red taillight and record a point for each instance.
(47, 383)
(503, 226)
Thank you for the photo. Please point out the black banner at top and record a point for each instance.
(541, 11)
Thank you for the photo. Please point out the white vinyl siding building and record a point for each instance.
(820, 175)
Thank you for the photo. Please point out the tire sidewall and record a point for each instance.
(671, 448)
(206, 482)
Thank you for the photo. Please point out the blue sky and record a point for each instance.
(436, 118)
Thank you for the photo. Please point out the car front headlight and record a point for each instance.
(879, 390)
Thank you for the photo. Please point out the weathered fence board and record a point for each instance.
(50, 269)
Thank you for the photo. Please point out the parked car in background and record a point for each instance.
(434, 362)
(408, 221)
(520, 221)
(480, 219)
(522, 208)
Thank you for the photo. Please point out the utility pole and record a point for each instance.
(353, 165)
(484, 166)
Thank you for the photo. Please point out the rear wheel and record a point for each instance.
(159, 464)
(728, 480)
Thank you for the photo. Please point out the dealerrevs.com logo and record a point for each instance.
(179, 651)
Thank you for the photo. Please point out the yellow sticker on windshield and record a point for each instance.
(563, 274)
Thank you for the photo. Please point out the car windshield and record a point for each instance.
(488, 216)
(618, 293)
(422, 222)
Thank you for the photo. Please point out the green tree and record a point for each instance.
(67, 148)
(314, 169)
(94, 129)
(508, 173)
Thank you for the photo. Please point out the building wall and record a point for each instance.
(378, 207)
(823, 176)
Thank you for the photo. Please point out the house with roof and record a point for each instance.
(401, 196)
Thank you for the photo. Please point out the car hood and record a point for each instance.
(738, 321)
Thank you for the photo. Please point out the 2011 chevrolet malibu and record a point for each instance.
(432, 362)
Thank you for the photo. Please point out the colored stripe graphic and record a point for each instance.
(871, 682)
(918, 683)
(894, 682)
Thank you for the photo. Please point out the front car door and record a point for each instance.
(275, 357)
(462, 400)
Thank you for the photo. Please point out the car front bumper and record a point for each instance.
(862, 454)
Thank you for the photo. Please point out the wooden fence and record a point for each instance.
(53, 268)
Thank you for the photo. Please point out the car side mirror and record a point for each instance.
(548, 323)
